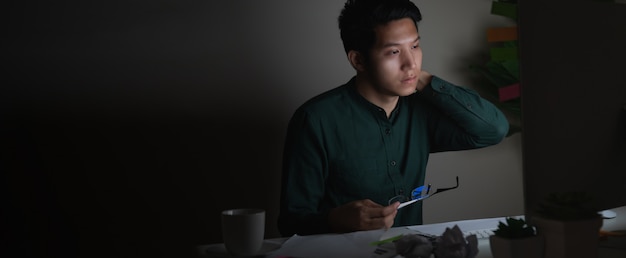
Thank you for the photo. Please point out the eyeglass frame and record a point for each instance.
(413, 197)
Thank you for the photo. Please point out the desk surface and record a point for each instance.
(356, 244)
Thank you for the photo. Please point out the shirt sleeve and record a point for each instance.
(464, 119)
(305, 169)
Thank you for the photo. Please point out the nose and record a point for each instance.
(408, 60)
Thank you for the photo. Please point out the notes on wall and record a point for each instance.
(501, 71)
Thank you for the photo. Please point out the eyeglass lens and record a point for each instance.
(421, 193)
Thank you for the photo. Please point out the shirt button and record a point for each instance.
(469, 106)
(387, 131)
(401, 192)
(393, 163)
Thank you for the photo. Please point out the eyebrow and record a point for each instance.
(391, 44)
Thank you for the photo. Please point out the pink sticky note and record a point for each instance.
(509, 92)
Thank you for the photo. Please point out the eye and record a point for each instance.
(395, 52)
(415, 46)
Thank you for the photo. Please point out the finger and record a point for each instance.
(386, 221)
(370, 203)
(388, 210)
(374, 223)
(390, 219)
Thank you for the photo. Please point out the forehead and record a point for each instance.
(396, 32)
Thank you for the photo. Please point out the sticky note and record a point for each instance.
(501, 34)
(503, 53)
(510, 92)
(504, 9)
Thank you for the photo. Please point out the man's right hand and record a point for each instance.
(362, 215)
(424, 79)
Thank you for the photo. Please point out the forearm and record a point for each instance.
(481, 122)
(302, 180)
(300, 211)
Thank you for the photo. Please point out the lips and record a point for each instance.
(409, 79)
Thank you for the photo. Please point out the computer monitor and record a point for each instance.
(573, 82)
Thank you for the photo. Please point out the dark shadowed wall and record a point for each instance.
(127, 126)
(574, 100)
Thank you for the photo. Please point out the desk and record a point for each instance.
(356, 244)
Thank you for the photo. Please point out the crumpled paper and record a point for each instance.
(452, 244)
(414, 246)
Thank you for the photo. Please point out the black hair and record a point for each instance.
(359, 17)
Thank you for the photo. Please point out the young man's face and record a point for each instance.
(396, 59)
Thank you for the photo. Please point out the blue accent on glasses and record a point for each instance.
(419, 194)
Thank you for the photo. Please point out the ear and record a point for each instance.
(356, 60)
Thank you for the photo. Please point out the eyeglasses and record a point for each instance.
(418, 194)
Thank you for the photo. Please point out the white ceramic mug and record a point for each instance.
(243, 231)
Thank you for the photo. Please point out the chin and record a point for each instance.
(406, 92)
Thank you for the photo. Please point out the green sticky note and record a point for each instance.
(504, 9)
(503, 53)
(388, 240)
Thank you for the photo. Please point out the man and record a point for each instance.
(349, 150)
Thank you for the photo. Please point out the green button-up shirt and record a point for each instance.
(341, 148)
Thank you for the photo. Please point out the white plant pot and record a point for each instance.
(516, 247)
(569, 239)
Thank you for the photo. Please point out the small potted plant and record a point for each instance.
(569, 225)
(515, 239)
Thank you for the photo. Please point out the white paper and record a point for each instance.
(356, 244)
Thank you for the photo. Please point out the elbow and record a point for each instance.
(495, 134)
(501, 130)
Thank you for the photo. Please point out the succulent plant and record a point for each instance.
(514, 228)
